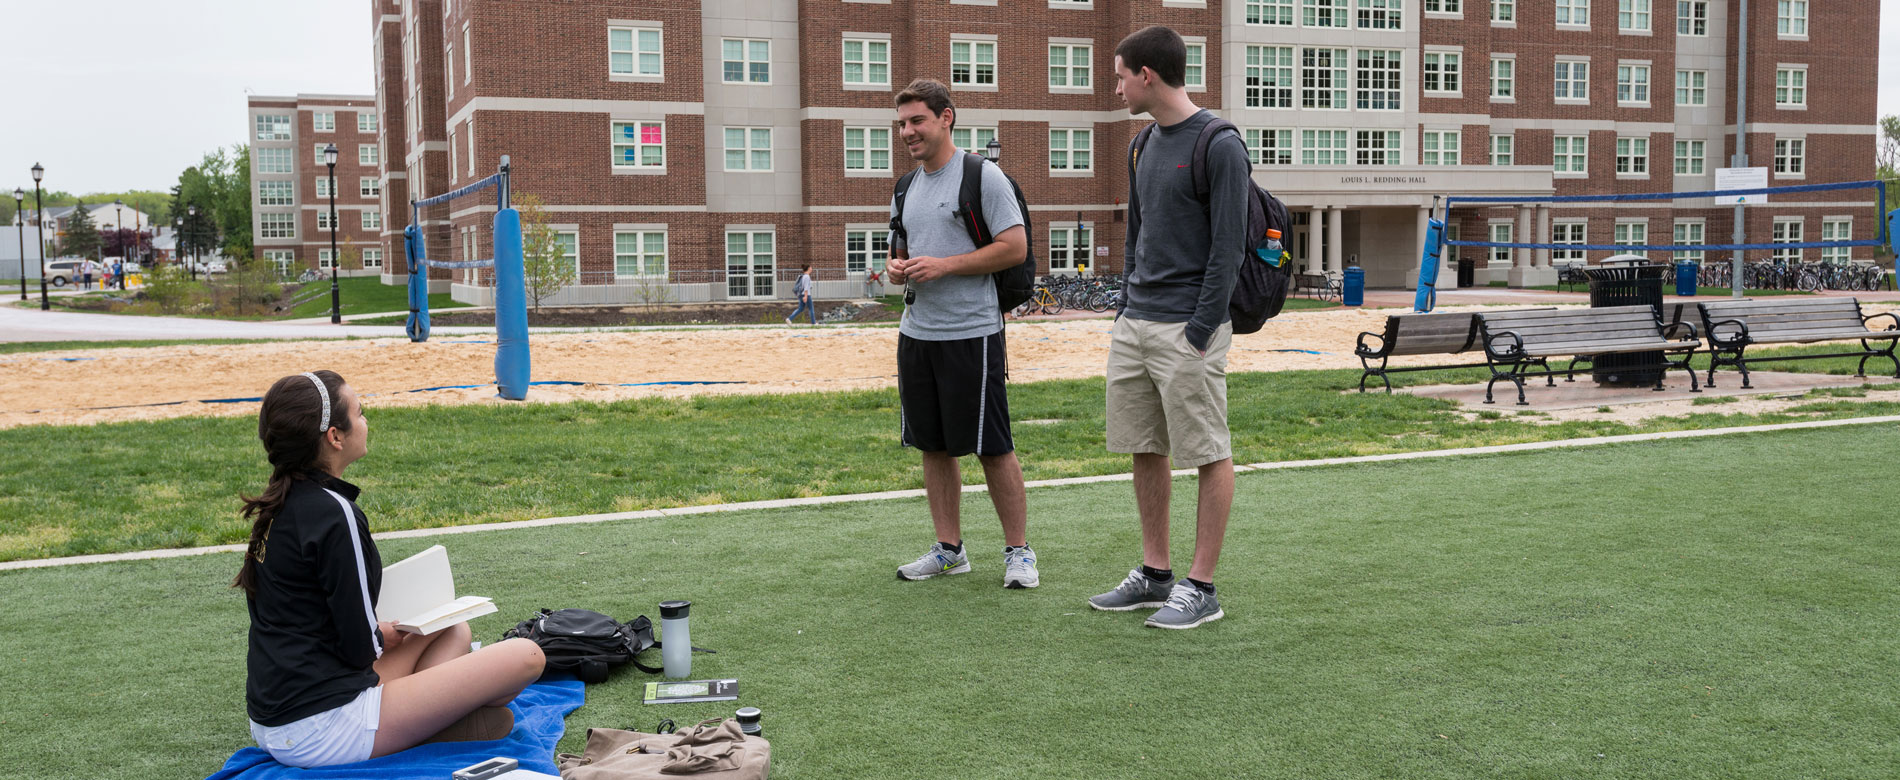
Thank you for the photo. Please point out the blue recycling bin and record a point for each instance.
(1685, 277)
(1355, 293)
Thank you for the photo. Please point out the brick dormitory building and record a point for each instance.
(713, 147)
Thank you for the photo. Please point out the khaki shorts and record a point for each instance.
(1164, 397)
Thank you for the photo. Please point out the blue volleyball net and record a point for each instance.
(511, 297)
(1887, 221)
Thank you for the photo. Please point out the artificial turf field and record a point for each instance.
(1710, 608)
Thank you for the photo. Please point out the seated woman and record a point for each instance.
(327, 683)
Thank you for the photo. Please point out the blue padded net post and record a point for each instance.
(1428, 264)
(1893, 240)
(418, 324)
(511, 308)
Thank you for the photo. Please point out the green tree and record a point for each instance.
(80, 237)
(1887, 161)
(544, 264)
(233, 202)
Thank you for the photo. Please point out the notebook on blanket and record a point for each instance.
(540, 719)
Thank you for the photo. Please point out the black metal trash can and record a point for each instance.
(1467, 273)
(1627, 285)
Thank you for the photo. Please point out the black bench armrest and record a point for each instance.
(1869, 319)
(1515, 349)
(1741, 333)
(1680, 324)
(1361, 349)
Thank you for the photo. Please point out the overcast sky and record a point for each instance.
(127, 93)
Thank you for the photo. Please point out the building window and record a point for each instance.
(867, 149)
(1438, 147)
(1500, 234)
(323, 186)
(372, 258)
(1378, 147)
(1630, 234)
(1836, 230)
(1688, 232)
(1791, 17)
(367, 154)
(1574, 13)
(1324, 147)
(319, 161)
(569, 242)
(1325, 78)
(746, 61)
(372, 219)
(1569, 153)
(1069, 247)
(1632, 15)
(276, 193)
(1692, 17)
(454, 166)
(1791, 157)
(324, 222)
(325, 259)
(867, 62)
(281, 258)
(448, 61)
(1270, 147)
(1692, 88)
(365, 122)
(1444, 7)
(1787, 231)
(640, 253)
(1567, 233)
(1689, 158)
(973, 63)
(1379, 79)
(1071, 150)
(748, 148)
(273, 127)
(749, 264)
(972, 139)
(1196, 74)
(1504, 79)
(1325, 13)
(639, 144)
(1069, 65)
(633, 51)
(1791, 88)
(323, 121)
(1503, 149)
(1381, 14)
(1270, 12)
(1573, 80)
(1504, 11)
(468, 56)
(1632, 84)
(866, 251)
(277, 225)
(1269, 76)
(369, 187)
(1441, 71)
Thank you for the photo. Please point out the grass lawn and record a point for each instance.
(1634, 611)
(360, 295)
(13, 347)
(76, 490)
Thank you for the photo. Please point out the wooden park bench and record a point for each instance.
(1319, 286)
(1516, 341)
(1417, 334)
(1734, 326)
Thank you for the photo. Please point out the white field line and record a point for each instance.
(785, 503)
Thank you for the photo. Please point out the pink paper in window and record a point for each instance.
(649, 134)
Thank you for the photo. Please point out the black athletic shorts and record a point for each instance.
(953, 395)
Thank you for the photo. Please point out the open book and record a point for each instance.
(419, 594)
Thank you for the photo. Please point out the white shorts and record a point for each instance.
(344, 735)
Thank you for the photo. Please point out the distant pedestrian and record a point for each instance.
(87, 266)
(802, 289)
(118, 272)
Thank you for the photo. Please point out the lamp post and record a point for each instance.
(193, 262)
(994, 151)
(138, 245)
(19, 210)
(118, 229)
(39, 221)
(178, 239)
(336, 305)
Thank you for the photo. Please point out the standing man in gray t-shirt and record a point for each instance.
(1167, 360)
(950, 346)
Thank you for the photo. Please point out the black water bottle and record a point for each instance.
(749, 722)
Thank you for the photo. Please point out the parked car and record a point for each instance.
(209, 266)
(60, 273)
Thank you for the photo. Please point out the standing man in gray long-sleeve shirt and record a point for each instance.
(1167, 362)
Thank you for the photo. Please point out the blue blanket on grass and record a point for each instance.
(540, 719)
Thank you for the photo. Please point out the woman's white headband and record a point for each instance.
(323, 393)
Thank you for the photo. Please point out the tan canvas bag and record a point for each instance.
(714, 750)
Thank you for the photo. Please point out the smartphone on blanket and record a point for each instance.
(497, 768)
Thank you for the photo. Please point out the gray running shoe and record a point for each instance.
(1019, 568)
(1187, 607)
(1137, 591)
(937, 561)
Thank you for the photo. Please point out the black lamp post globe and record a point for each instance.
(336, 305)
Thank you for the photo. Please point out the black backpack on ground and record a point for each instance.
(587, 643)
(1261, 284)
(1014, 284)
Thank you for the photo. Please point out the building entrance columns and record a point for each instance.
(1529, 272)
(1335, 241)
